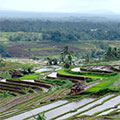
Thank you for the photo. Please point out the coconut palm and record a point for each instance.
(112, 53)
(49, 61)
(66, 56)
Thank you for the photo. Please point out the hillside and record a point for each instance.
(39, 38)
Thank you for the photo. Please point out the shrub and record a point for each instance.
(25, 90)
(103, 91)
(5, 94)
(40, 117)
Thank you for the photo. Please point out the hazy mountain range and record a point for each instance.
(99, 14)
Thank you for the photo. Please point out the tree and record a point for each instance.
(66, 57)
(49, 61)
(27, 68)
(88, 57)
(112, 53)
(54, 61)
(3, 51)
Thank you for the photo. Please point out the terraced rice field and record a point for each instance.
(36, 96)
(64, 109)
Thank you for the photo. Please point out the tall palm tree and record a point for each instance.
(66, 56)
(109, 53)
(49, 61)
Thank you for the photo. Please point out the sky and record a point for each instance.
(67, 6)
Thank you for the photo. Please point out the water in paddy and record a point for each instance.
(3, 80)
(84, 108)
(117, 67)
(53, 75)
(55, 66)
(45, 89)
(37, 110)
(98, 68)
(44, 69)
(106, 112)
(118, 111)
(28, 80)
(70, 106)
(76, 69)
(108, 104)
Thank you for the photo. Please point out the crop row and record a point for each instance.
(30, 83)
(21, 85)
(11, 89)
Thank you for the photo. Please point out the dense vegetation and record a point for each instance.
(3, 51)
(34, 38)
(60, 31)
(112, 53)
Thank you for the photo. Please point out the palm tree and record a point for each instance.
(49, 61)
(55, 61)
(66, 56)
(112, 53)
(116, 52)
(88, 57)
(66, 50)
(109, 53)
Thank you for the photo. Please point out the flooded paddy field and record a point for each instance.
(37, 110)
(84, 108)
(95, 67)
(68, 107)
(51, 95)
(108, 104)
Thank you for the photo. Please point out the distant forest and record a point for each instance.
(59, 31)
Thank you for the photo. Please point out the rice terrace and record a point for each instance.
(80, 91)
(59, 60)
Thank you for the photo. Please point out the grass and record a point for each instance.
(111, 83)
(6, 66)
(67, 73)
(118, 118)
(3, 39)
(45, 48)
(5, 75)
(100, 74)
(25, 90)
(30, 76)
(5, 94)
(40, 117)
(61, 83)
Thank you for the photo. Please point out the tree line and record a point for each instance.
(59, 31)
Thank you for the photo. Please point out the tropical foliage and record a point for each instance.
(112, 53)
(66, 57)
(40, 117)
(37, 30)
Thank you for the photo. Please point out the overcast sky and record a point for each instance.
(61, 5)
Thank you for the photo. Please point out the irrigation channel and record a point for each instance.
(54, 109)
